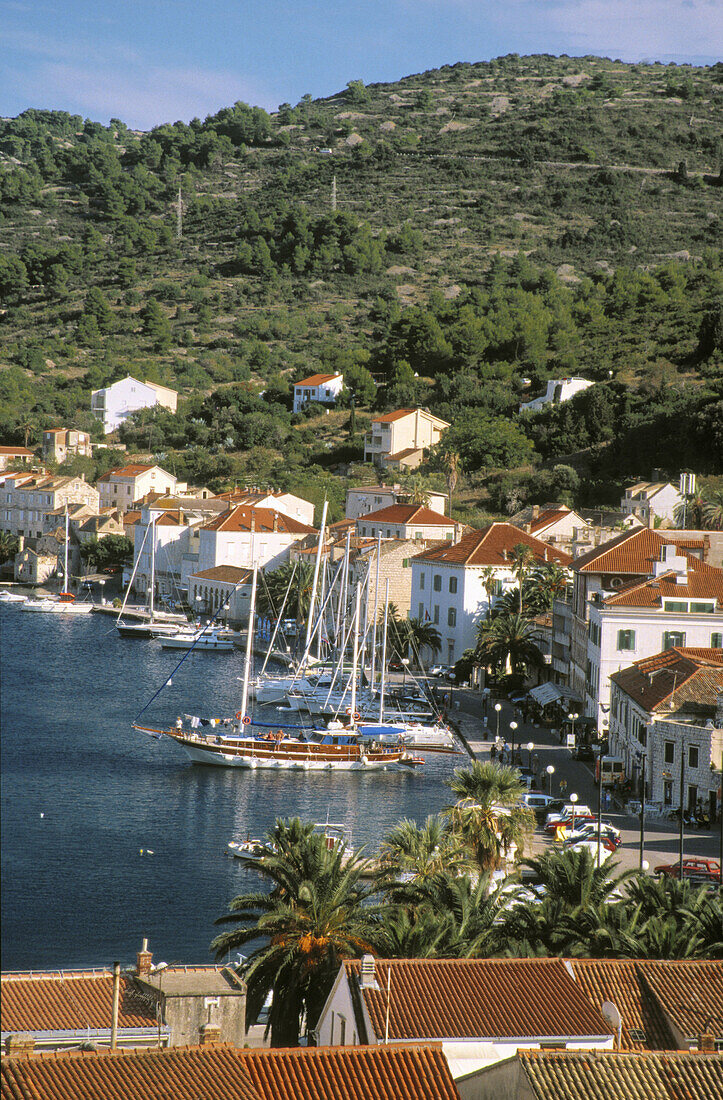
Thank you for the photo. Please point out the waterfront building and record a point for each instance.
(15, 456)
(666, 707)
(245, 537)
(287, 503)
(126, 485)
(26, 499)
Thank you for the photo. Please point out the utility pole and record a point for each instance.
(179, 217)
(333, 193)
(682, 805)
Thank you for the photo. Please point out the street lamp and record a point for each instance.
(530, 750)
(572, 718)
(550, 769)
(642, 756)
(405, 662)
(513, 727)
(573, 799)
(498, 708)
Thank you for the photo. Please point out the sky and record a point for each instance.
(152, 61)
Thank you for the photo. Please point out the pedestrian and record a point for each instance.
(493, 750)
(563, 786)
(606, 798)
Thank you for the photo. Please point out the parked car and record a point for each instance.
(606, 848)
(584, 753)
(588, 831)
(696, 868)
(438, 670)
(537, 802)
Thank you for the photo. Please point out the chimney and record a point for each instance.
(535, 512)
(19, 1045)
(367, 973)
(144, 959)
(706, 1043)
(209, 1033)
(276, 521)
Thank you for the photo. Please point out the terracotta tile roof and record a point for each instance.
(631, 552)
(240, 518)
(230, 574)
(691, 994)
(493, 545)
(546, 519)
(406, 514)
(388, 418)
(644, 1025)
(480, 998)
(227, 1073)
(703, 582)
(674, 677)
(131, 518)
(21, 452)
(134, 469)
(607, 1075)
(316, 380)
(399, 456)
(69, 1001)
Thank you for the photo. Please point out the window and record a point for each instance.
(417, 534)
(405, 563)
(452, 617)
(449, 536)
(672, 638)
(716, 641)
(626, 639)
(707, 607)
(453, 585)
(669, 752)
(692, 756)
(668, 792)
(437, 582)
(342, 1031)
(436, 614)
(421, 581)
(421, 613)
(675, 605)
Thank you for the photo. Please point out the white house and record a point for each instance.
(370, 498)
(290, 505)
(662, 706)
(114, 404)
(448, 583)
(172, 536)
(680, 605)
(650, 500)
(122, 487)
(15, 456)
(481, 1010)
(397, 440)
(557, 391)
(247, 536)
(408, 521)
(324, 388)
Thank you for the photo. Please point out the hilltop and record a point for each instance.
(452, 239)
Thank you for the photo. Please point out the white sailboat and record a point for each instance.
(65, 602)
(157, 624)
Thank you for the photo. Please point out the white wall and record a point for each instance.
(122, 399)
(243, 548)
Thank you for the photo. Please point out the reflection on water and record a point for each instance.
(83, 793)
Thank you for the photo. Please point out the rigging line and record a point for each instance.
(188, 652)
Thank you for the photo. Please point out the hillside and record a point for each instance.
(494, 225)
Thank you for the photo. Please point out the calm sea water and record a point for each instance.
(83, 793)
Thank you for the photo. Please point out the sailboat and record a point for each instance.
(156, 625)
(242, 743)
(65, 602)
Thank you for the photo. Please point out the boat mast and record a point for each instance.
(249, 644)
(316, 577)
(372, 670)
(355, 656)
(66, 584)
(153, 567)
(384, 652)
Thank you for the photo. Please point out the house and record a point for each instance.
(216, 1070)
(114, 404)
(481, 1010)
(324, 388)
(580, 1075)
(650, 500)
(25, 499)
(165, 545)
(223, 592)
(370, 498)
(628, 557)
(395, 566)
(287, 503)
(452, 588)
(245, 537)
(398, 440)
(15, 456)
(123, 487)
(557, 391)
(664, 706)
(680, 605)
(408, 521)
(59, 443)
(36, 565)
(163, 1006)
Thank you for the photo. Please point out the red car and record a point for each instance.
(694, 867)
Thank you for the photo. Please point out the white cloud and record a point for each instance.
(636, 28)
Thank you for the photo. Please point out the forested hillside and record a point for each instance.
(453, 239)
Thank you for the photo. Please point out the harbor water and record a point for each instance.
(109, 835)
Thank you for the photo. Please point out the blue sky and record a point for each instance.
(152, 61)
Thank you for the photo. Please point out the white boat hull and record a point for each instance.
(200, 755)
(51, 607)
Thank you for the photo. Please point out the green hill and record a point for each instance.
(452, 239)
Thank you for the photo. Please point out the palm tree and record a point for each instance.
(523, 558)
(316, 913)
(423, 851)
(713, 509)
(419, 635)
(273, 587)
(545, 583)
(489, 816)
(506, 642)
(8, 546)
(488, 580)
(418, 490)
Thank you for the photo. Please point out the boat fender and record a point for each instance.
(239, 715)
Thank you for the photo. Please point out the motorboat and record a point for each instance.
(64, 604)
(12, 597)
(213, 640)
(251, 850)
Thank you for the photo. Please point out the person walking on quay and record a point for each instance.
(563, 786)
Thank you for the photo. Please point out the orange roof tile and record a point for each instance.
(480, 998)
(493, 545)
(69, 1001)
(632, 552)
(316, 380)
(227, 1073)
(703, 582)
(621, 981)
(406, 514)
(547, 518)
(676, 676)
(387, 418)
(240, 518)
(582, 1075)
(21, 452)
(134, 469)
